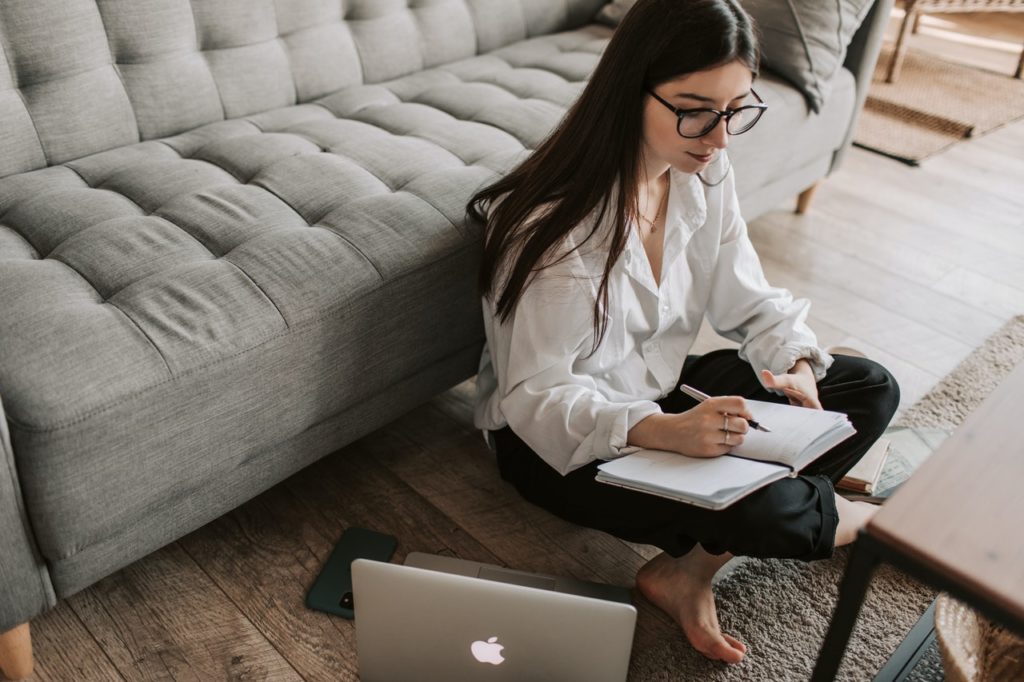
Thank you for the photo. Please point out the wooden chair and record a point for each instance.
(915, 8)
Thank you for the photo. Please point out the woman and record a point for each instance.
(603, 252)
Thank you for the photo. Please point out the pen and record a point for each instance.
(700, 397)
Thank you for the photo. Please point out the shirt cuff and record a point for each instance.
(788, 355)
(626, 419)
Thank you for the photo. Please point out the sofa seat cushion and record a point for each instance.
(174, 305)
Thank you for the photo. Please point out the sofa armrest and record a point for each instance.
(861, 57)
(25, 587)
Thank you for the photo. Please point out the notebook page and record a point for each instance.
(793, 429)
(824, 443)
(698, 476)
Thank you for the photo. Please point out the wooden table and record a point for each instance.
(957, 524)
(915, 8)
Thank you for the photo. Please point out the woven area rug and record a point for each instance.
(932, 105)
(781, 608)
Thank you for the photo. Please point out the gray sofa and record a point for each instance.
(232, 240)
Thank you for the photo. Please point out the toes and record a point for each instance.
(729, 652)
(735, 643)
(718, 646)
(722, 651)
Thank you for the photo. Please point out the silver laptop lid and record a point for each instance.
(422, 625)
(543, 581)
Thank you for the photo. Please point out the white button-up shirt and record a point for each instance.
(571, 407)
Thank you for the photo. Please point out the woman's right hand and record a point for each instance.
(697, 432)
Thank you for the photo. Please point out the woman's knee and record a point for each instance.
(881, 380)
(789, 519)
(883, 397)
(877, 391)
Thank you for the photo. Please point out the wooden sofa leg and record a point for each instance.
(16, 652)
(803, 202)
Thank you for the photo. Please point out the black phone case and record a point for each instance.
(332, 589)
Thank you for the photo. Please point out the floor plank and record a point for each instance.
(993, 219)
(263, 556)
(905, 229)
(945, 275)
(873, 320)
(162, 618)
(448, 463)
(266, 554)
(65, 650)
(812, 261)
(914, 382)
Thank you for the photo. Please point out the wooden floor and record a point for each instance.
(916, 267)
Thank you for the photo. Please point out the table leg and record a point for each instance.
(863, 560)
(900, 49)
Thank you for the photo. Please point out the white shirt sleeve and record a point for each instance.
(768, 323)
(559, 412)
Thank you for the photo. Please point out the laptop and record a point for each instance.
(442, 618)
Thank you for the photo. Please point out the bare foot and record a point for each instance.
(852, 517)
(682, 589)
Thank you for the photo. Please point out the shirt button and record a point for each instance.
(664, 308)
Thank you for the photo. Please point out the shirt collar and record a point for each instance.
(690, 205)
(685, 213)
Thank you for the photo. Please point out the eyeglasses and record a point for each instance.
(699, 122)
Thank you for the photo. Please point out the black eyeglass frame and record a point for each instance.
(719, 115)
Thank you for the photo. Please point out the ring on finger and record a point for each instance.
(725, 427)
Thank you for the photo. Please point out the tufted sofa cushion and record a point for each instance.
(82, 76)
(309, 253)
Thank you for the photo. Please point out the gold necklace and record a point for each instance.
(661, 207)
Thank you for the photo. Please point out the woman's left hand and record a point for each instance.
(798, 385)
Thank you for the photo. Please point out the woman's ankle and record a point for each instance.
(852, 517)
(701, 563)
(697, 564)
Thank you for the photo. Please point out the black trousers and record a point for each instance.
(791, 518)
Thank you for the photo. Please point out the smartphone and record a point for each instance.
(332, 589)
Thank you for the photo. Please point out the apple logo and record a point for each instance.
(487, 652)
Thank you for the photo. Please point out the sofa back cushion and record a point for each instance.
(804, 41)
(82, 76)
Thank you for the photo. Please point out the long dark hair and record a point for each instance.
(574, 170)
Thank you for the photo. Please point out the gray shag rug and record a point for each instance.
(781, 608)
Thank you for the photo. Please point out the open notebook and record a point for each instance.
(798, 436)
